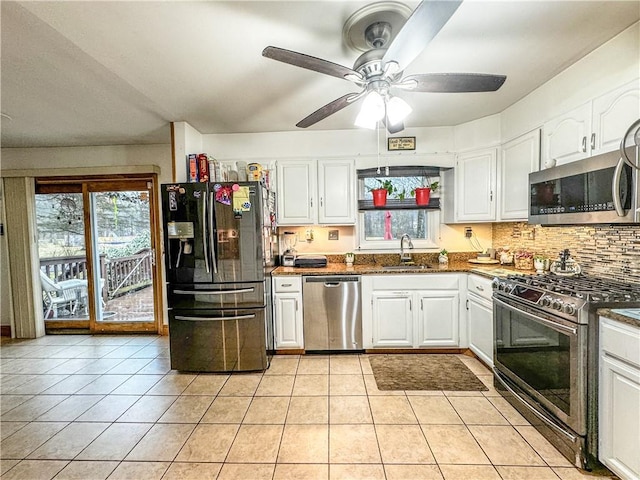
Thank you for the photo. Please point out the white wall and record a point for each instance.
(94, 157)
(186, 140)
(613, 64)
(321, 143)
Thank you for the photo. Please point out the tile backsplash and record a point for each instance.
(607, 251)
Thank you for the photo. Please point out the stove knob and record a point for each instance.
(557, 304)
(569, 308)
(495, 283)
(545, 301)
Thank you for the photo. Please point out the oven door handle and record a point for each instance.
(541, 416)
(555, 326)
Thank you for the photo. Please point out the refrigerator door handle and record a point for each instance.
(204, 236)
(197, 319)
(212, 233)
(213, 292)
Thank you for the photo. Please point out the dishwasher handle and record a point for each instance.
(331, 281)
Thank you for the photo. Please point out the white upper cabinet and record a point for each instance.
(519, 158)
(593, 128)
(296, 192)
(336, 189)
(565, 137)
(474, 187)
(613, 113)
(312, 192)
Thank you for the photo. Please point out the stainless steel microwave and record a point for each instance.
(601, 189)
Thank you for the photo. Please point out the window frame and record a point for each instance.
(433, 217)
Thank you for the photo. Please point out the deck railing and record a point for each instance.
(121, 275)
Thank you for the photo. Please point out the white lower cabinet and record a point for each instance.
(420, 311)
(619, 398)
(392, 320)
(437, 316)
(480, 317)
(287, 306)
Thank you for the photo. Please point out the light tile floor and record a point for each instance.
(95, 407)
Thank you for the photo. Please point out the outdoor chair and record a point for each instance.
(65, 293)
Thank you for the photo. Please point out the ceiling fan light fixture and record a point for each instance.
(397, 110)
(372, 111)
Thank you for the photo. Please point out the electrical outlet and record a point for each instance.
(334, 234)
(468, 232)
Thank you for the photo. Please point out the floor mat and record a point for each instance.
(423, 372)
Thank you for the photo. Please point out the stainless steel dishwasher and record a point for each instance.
(332, 314)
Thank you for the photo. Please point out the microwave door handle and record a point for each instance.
(213, 233)
(553, 325)
(615, 188)
(623, 143)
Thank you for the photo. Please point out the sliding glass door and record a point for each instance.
(106, 248)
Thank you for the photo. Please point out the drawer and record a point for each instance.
(425, 281)
(479, 285)
(287, 283)
(620, 340)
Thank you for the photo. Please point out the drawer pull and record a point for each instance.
(286, 285)
(480, 287)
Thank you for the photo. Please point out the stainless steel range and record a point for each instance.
(546, 355)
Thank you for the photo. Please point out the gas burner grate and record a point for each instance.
(591, 289)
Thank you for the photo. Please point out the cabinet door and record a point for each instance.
(438, 318)
(336, 192)
(288, 321)
(480, 317)
(566, 138)
(392, 319)
(613, 113)
(475, 186)
(519, 158)
(296, 193)
(619, 417)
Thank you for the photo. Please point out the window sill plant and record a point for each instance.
(423, 194)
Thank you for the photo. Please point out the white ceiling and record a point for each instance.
(104, 73)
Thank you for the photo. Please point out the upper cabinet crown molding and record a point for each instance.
(592, 128)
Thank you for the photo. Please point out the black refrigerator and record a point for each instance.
(219, 254)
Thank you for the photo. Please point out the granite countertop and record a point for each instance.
(621, 316)
(488, 271)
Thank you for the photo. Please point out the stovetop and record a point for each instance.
(573, 298)
(592, 289)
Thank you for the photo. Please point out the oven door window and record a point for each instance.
(536, 354)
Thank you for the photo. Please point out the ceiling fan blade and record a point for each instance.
(312, 63)
(452, 82)
(424, 23)
(329, 109)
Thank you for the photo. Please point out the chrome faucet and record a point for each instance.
(405, 256)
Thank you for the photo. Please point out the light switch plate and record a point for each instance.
(334, 234)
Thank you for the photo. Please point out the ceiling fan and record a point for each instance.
(379, 70)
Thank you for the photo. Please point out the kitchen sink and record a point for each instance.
(406, 267)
